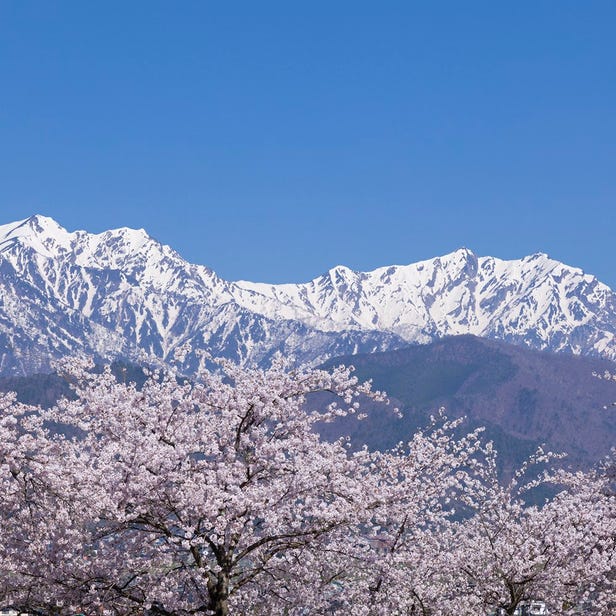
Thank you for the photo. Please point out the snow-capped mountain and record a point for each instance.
(120, 293)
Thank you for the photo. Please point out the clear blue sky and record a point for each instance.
(273, 140)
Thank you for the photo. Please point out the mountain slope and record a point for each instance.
(523, 397)
(536, 301)
(122, 294)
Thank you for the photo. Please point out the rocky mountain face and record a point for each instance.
(122, 294)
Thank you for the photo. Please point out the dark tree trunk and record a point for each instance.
(219, 594)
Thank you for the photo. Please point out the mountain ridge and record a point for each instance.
(524, 398)
(122, 294)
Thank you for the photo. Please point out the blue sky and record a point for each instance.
(273, 140)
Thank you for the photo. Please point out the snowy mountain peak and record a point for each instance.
(461, 254)
(341, 275)
(460, 261)
(40, 233)
(121, 292)
(341, 270)
(120, 248)
(36, 224)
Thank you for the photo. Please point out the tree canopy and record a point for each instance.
(218, 496)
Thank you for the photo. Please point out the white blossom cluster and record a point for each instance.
(217, 496)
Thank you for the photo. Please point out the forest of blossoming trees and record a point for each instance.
(218, 496)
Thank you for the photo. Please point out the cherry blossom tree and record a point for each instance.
(188, 497)
(509, 552)
(421, 482)
(217, 496)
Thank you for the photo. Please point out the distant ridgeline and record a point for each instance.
(523, 398)
(121, 295)
(46, 389)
